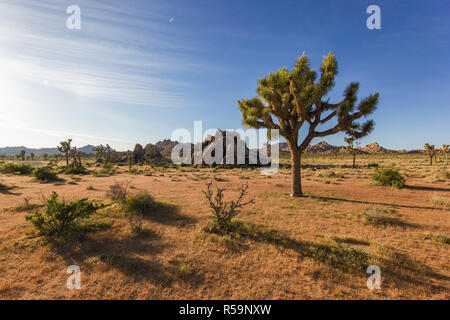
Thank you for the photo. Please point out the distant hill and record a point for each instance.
(375, 148)
(165, 148)
(13, 151)
(325, 148)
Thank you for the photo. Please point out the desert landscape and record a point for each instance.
(268, 153)
(316, 247)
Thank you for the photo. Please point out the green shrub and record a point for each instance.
(45, 174)
(389, 177)
(439, 237)
(440, 200)
(224, 227)
(139, 203)
(60, 217)
(73, 170)
(107, 169)
(118, 192)
(136, 207)
(12, 168)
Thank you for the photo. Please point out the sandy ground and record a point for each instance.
(172, 258)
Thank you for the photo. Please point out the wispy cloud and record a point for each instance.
(105, 60)
(126, 59)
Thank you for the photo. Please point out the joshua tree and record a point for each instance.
(130, 161)
(76, 158)
(65, 147)
(99, 151)
(32, 156)
(45, 156)
(351, 148)
(431, 152)
(22, 155)
(295, 98)
(109, 152)
(445, 149)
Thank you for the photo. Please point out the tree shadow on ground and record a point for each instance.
(424, 188)
(9, 192)
(123, 255)
(132, 256)
(324, 198)
(396, 267)
(168, 214)
(324, 166)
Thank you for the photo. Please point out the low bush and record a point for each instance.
(141, 203)
(12, 168)
(73, 170)
(118, 191)
(136, 207)
(45, 174)
(224, 211)
(381, 217)
(440, 199)
(439, 237)
(107, 169)
(389, 177)
(60, 217)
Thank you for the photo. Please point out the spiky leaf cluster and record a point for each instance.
(288, 99)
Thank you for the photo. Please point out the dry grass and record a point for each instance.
(440, 199)
(317, 247)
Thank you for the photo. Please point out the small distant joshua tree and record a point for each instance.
(76, 158)
(351, 148)
(99, 151)
(109, 151)
(32, 156)
(290, 99)
(65, 147)
(45, 156)
(21, 155)
(431, 152)
(130, 161)
(445, 149)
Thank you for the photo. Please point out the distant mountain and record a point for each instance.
(375, 148)
(165, 148)
(324, 147)
(321, 147)
(13, 151)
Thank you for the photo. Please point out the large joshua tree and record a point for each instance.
(290, 99)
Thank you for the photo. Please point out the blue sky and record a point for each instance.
(137, 70)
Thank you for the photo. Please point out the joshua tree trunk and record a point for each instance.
(431, 160)
(296, 163)
(287, 100)
(67, 159)
(354, 160)
(446, 158)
